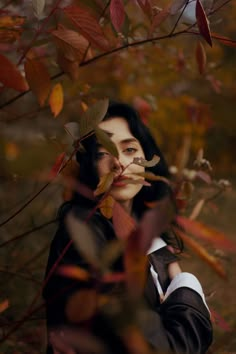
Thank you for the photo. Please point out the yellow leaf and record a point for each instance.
(106, 206)
(4, 305)
(104, 184)
(56, 99)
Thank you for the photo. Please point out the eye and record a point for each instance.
(130, 150)
(101, 154)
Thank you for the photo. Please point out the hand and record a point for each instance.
(173, 269)
(59, 343)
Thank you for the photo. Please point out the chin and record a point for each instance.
(124, 195)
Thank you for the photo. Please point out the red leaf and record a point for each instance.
(202, 253)
(154, 222)
(135, 262)
(10, 76)
(71, 43)
(206, 233)
(57, 165)
(71, 68)
(123, 223)
(220, 321)
(117, 14)
(201, 58)
(225, 40)
(203, 23)
(38, 78)
(4, 305)
(88, 26)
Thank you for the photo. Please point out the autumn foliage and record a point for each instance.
(59, 59)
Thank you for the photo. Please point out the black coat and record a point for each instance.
(181, 324)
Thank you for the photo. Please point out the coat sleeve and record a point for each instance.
(180, 323)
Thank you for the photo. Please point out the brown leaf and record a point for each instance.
(104, 139)
(10, 28)
(71, 43)
(88, 26)
(38, 78)
(4, 305)
(185, 191)
(202, 253)
(81, 306)
(201, 58)
(152, 177)
(56, 99)
(117, 13)
(74, 272)
(106, 206)
(142, 162)
(71, 68)
(203, 23)
(160, 17)
(92, 116)
(206, 233)
(104, 183)
(10, 76)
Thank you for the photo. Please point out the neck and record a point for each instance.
(127, 205)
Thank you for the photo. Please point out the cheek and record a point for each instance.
(103, 166)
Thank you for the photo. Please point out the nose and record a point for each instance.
(117, 166)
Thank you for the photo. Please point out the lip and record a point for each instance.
(119, 181)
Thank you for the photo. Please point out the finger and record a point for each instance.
(174, 269)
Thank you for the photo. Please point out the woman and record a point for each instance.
(176, 318)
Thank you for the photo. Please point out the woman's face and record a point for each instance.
(128, 147)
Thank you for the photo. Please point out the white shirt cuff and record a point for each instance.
(187, 280)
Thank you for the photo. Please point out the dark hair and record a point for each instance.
(87, 160)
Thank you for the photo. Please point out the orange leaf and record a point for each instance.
(202, 253)
(117, 14)
(81, 306)
(203, 23)
(57, 165)
(106, 207)
(10, 76)
(201, 58)
(87, 25)
(38, 78)
(74, 272)
(56, 99)
(206, 233)
(123, 223)
(12, 21)
(10, 28)
(71, 43)
(113, 277)
(4, 305)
